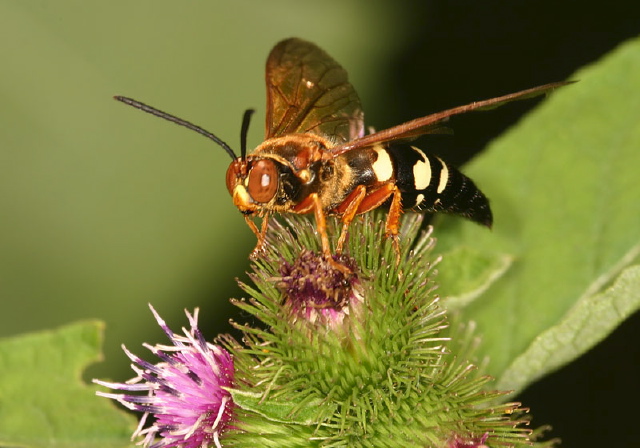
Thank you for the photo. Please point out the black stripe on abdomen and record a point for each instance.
(429, 184)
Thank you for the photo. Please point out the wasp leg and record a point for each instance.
(260, 234)
(359, 201)
(350, 213)
(393, 219)
(252, 226)
(321, 223)
(312, 203)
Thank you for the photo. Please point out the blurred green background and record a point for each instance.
(104, 209)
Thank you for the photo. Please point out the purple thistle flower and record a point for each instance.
(317, 291)
(185, 391)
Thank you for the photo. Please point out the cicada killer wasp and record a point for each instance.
(317, 159)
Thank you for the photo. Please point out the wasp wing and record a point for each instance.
(308, 91)
(432, 124)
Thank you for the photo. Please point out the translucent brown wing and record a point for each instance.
(307, 91)
(432, 124)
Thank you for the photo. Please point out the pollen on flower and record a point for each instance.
(471, 442)
(317, 290)
(184, 392)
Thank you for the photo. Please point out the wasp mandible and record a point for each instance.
(317, 159)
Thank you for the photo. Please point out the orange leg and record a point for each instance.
(260, 234)
(393, 219)
(360, 201)
(321, 223)
(252, 226)
(352, 209)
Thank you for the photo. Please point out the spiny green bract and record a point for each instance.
(376, 372)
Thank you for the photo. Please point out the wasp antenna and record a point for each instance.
(179, 121)
(246, 119)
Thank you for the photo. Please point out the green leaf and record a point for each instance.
(584, 326)
(464, 273)
(564, 189)
(43, 401)
(309, 412)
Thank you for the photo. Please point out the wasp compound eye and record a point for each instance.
(234, 173)
(263, 181)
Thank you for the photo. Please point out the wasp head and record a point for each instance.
(253, 183)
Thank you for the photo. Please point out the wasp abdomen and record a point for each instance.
(427, 183)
